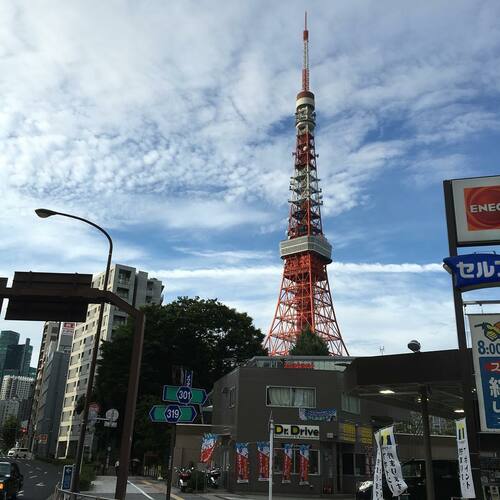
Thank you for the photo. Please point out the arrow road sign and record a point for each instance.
(172, 413)
(184, 395)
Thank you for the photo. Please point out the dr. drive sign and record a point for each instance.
(485, 336)
(296, 431)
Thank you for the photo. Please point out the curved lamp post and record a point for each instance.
(75, 481)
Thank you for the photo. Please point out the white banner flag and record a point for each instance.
(464, 467)
(392, 467)
(377, 493)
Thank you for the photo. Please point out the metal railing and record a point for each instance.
(60, 494)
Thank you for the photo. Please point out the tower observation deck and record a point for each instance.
(304, 299)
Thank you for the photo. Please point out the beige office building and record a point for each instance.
(136, 288)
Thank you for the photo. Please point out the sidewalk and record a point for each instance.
(147, 487)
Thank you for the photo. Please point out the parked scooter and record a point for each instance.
(184, 476)
(213, 477)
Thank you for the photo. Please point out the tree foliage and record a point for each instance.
(9, 432)
(309, 344)
(202, 335)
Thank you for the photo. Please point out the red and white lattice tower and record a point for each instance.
(305, 299)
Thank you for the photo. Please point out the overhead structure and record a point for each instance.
(305, 299)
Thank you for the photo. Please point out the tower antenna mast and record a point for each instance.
(305, 65)
(305, 301)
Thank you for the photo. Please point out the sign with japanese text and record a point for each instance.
(263, 455)
(347, 432)
(464, 467)
(304, 463)
(377, 492)
(390, 461)
(324, 415)
(242, 464)
(68, 328)
(365, 435)
(476, 270)
(477, 210)
(485, 337)
(287, 463)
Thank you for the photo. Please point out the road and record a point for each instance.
(40, 478)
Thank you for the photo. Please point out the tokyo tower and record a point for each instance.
(304, 299)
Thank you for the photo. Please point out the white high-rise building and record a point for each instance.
(16, 387)
(131, 285)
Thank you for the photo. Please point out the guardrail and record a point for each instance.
(60, 494)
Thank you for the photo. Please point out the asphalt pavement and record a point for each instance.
(40, 478)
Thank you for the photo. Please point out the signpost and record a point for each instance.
(173, 414)
(66, 476)
(184, 394)
(180, 411)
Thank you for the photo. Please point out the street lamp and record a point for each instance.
(75, 481)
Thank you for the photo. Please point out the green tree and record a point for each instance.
(202, 335)
(309, 344)
(9, 432)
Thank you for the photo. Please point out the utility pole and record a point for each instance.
(271, 456)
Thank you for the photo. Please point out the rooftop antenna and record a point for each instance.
(305, 66)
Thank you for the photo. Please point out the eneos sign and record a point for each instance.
(477, 209)
(290, 431)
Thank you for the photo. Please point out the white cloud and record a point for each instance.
(172, 125)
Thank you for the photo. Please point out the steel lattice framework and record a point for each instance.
(305, 299)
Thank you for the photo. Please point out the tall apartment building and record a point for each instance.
(131, 285)
(16, 387)
(47, 415)
(50, 334)
(55, 336)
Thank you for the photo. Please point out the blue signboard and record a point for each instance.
(490, 379)
(476, 270)
(66, 477)
(188, 378)
(485, 337)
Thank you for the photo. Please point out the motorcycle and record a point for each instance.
(213, 477)
(184, 476)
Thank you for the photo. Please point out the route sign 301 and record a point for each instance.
(184, 395)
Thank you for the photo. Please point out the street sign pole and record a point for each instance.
(271, 445)
(173, 436)
(465, 362)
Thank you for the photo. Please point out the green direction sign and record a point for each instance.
(184, 395)
(172, 413)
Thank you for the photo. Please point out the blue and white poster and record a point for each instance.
(485, 336)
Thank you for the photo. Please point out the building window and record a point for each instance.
(350, 403)
(122, 292)
(232, 397)
(314, 468)
(295, 397)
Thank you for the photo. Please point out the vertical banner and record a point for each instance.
(242, 466)
(263, 453)
(207, 447)
(392, 467)
(377, 493)
(287, 463)
(304, 463)
(464, 467)
(485, 337)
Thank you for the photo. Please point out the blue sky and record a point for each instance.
(171, 124)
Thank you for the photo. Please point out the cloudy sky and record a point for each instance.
(171, 124)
